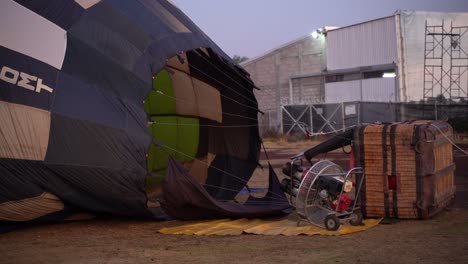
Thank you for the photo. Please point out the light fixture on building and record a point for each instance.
(315, 34)
(389, 75)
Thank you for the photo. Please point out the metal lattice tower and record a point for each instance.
(445, 62)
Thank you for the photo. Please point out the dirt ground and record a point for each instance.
(443, 239)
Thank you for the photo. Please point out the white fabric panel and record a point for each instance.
(378, 90)
(413, 36)
(87, 3)
(28, 33)
(184, 94)
(175, 63)
(195, 98)
(208, 101)
(31, 208)
(338, 92)
(369, 43)
(24, 132)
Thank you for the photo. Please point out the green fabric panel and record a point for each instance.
(188, 137)
(179, 133)
(165, 129)
(156, 179)
(164, 132)
(157, 158)
(151, 159)
(161, 104)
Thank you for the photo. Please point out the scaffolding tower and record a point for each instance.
(445, 63)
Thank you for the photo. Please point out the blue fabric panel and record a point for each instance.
(192, 26)
(220, 174)
(77, 142)
(93, 67)
(13, 90)
(172, 22)
(176, 12)
(171, 45)
(136, 12)
(116, 21)
(114, 46)
(142, 69)
(77, 99)
(137, 130)
(61, 12)
(137, 117)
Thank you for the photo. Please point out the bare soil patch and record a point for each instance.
(443, 239)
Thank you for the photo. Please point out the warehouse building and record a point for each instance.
(288, 75)
(409, 57)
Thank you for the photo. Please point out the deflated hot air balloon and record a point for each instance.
(99, 99)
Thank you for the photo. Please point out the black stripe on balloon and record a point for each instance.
(27, 81)
(93, 67)
(77, 142)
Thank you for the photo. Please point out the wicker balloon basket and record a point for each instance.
(409, 168)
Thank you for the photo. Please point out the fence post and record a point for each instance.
(311, 120)
(281, 121)
(358, 110)
(343, 116)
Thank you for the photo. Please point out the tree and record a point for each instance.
(239, 59)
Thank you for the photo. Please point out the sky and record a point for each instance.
(253, 27)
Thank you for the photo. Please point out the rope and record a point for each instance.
(200, 54)
(221, 83)
(224, 188)
(448, 138)
(211, 166)
(234, 190)
(332, 132)
(221, 126)
(205, 107)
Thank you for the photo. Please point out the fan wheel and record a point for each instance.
(332, 222)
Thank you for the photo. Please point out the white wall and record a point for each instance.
(378, 90)
(368, 90)
(337, 92)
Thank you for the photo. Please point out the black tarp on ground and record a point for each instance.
(186, 199)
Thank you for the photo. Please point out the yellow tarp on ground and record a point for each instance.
(262, 227)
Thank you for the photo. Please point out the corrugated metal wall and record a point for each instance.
(373, 90)
(370, 43)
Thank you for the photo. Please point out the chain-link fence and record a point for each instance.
(319, 119)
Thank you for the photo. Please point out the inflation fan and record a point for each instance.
(324, 195)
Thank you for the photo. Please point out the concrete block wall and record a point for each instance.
(272, 72)
(308, 90)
